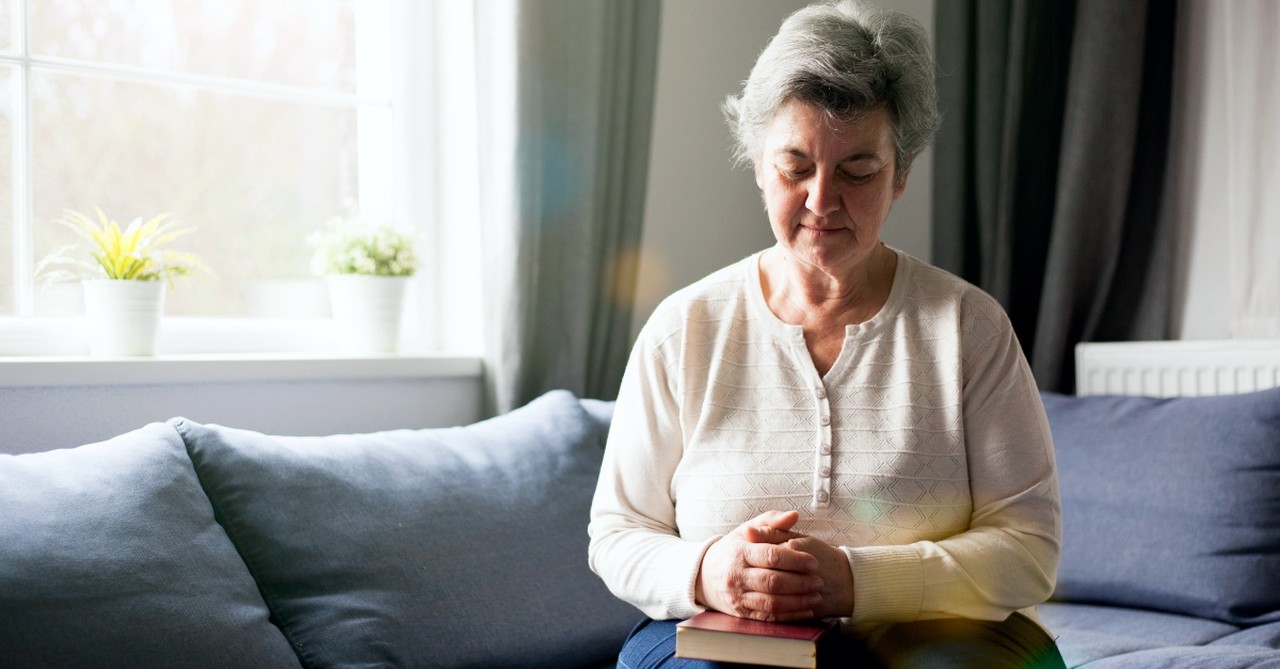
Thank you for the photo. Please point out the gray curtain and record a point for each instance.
(1050, 167)
(558, 305)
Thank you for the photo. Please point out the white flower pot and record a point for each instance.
(124, 316)
(367, 311)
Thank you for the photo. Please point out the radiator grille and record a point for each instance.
(1177, 369)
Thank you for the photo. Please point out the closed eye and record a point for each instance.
(859, 176)
(801, 173)
(795, 174)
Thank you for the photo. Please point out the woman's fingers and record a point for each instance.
(774, 582)
(764, 594)
(767, 535)
(782, 520)
(779, 557)
(730, 570)
(772, 527)
(835, 573)
(757, 572)
(780, 607)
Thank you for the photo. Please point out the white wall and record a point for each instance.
(44, 417)
(701, 213)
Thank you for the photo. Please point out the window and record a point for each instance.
(253, 122)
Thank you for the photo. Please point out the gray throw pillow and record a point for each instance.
(110, 557)
(459, 547)
(1171, 504)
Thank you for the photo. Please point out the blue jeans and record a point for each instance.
(1015, 643)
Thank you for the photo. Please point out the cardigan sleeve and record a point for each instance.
(634, 542)
(1007, 559)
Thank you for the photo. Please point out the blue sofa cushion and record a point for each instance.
(1234, 657)
(110, 557)
(1087, 632)
(1171, 504)
(1263, 636)
(447, 547)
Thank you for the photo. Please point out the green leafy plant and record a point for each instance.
(136, 252)
(352, 247)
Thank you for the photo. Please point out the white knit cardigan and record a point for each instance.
(924, 453)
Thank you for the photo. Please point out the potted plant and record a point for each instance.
(124, 278)
(366, 267)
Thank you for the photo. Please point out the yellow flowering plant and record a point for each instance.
(136, 252)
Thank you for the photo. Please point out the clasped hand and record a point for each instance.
(764, 571)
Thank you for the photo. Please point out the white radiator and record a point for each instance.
(1177, 368)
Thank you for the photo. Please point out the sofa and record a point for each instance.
(189, 545)
(1171, 531)
(182, 544)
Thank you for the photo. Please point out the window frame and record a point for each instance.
(416, 53)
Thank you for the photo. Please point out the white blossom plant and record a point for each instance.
(350, 246)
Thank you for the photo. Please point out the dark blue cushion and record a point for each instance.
(451, 547)
(1171, 504)
(110, 557)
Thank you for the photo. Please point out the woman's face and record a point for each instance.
(828, 184)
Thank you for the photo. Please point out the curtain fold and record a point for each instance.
(566, 105)
(1003, 93)
(1050, 167)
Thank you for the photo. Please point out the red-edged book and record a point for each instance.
(712, 635)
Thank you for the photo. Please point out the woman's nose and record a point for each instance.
(823, 196)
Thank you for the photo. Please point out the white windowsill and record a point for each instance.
(229, 367)
(53, 352)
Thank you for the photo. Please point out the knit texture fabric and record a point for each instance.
(924, 452)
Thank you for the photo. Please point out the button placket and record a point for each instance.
(822, 465)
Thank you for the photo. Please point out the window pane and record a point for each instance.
(7, 106)
(254, 176)
(297, 42)
(6, 25)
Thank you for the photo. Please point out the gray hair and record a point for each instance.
(847, 58)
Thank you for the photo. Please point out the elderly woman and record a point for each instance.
(831, 428)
